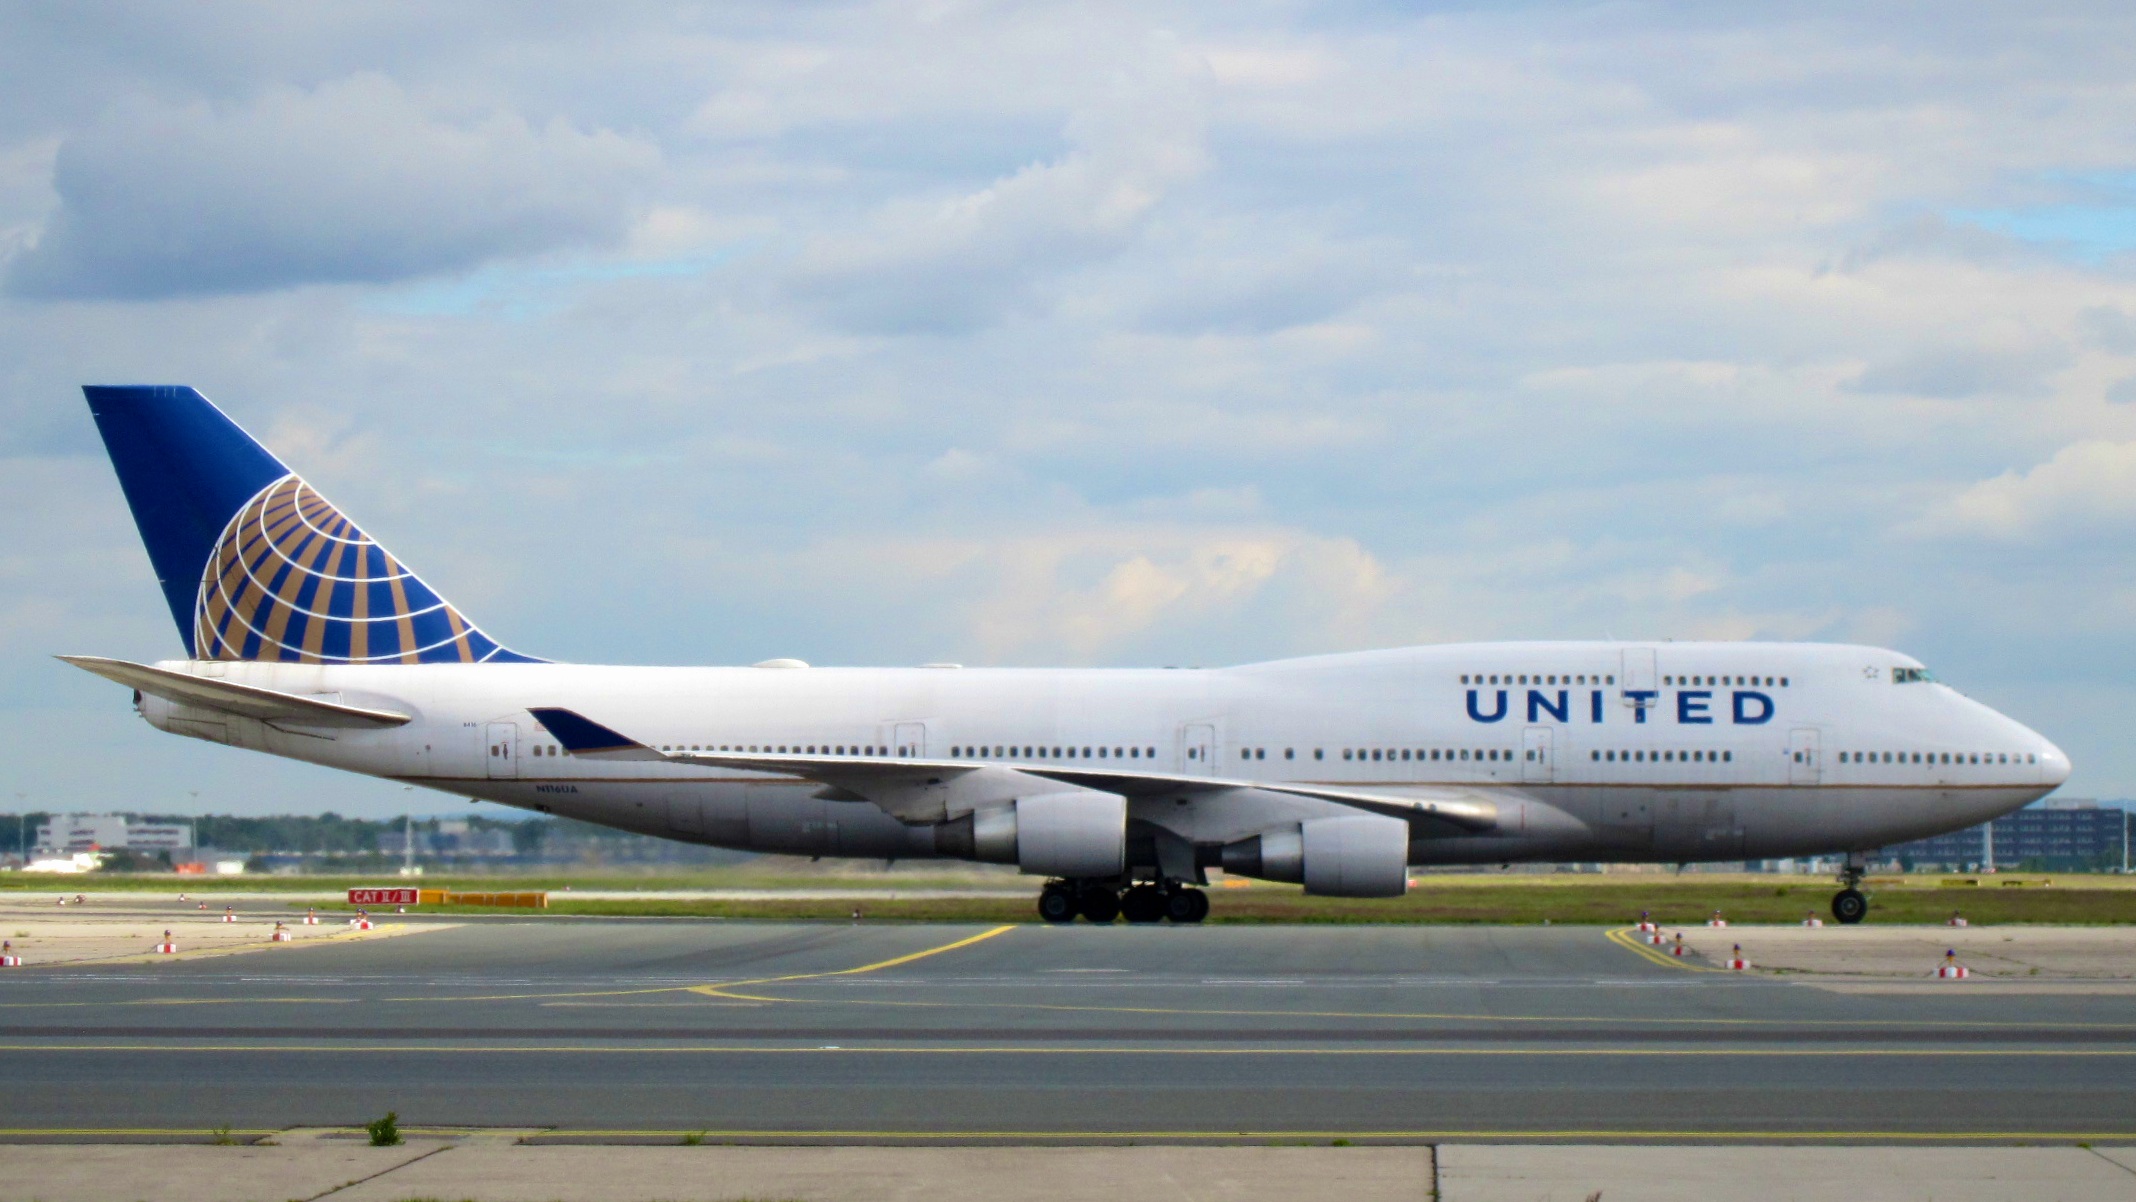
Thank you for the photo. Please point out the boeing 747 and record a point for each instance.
(305, 638)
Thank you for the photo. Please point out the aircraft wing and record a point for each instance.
(229, 697)
(889, 782)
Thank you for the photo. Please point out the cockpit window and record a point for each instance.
(1911, 676)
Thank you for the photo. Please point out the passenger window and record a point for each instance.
(1317, 753)
(1728, 755)
(1290, 753)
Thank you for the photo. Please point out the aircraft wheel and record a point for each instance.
(1186, 905)
(1143, 903)
(1100, 904)
(1056, 903)
(1848, 906)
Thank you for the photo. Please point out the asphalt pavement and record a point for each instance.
(932, 1033)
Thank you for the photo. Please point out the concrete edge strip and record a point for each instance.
(375, 1176)
(1425, 1137)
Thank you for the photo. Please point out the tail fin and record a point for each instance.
(254, 563)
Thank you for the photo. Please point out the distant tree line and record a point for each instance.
(320, 834)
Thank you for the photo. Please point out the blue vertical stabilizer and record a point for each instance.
(254, 563)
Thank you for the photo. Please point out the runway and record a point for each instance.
(935, 1033)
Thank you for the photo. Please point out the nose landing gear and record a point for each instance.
(1850, 904)
(1101, 901)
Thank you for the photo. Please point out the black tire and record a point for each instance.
(1848, 906)
(1100, 904)
(1143, 904)
(1057, 905)
(1186, 905)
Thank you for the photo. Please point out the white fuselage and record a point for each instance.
(1668, 751)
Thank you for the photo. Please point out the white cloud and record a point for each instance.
(352, 180)
(956, 262)
(2085, 487)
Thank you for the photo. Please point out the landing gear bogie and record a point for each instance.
(1102, 901)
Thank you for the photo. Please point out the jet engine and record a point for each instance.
(1366, 855)
(1075, 834)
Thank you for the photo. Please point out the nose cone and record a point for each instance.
(2054, 765)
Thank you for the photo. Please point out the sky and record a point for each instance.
(1089, 334)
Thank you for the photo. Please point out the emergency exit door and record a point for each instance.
(503, 758)
(1536, 764)
(1803, 767)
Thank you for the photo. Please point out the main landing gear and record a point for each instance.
(1101, 901)
(1850, 904)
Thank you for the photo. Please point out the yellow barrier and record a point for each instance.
(535, 901)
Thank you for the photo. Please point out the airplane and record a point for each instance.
(305, 638)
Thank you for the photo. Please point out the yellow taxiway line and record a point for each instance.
(1625, 937)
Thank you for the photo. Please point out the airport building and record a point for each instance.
(2061, 836)
(66, 834)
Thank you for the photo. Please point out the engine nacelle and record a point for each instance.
(1075, 834)
(1362, 856)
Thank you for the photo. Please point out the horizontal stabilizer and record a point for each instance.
(581, 735)
(229, 697)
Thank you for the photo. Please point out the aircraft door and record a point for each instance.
(1197, 749)
(1536, 764)
(1638, 668)
(1804, 766)
(1638, 675)
(909, 740)
(503, 758)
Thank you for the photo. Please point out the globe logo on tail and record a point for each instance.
(292, 580)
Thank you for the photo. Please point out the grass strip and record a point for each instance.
(1671, 901)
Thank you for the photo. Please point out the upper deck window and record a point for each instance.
(1912, 676)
